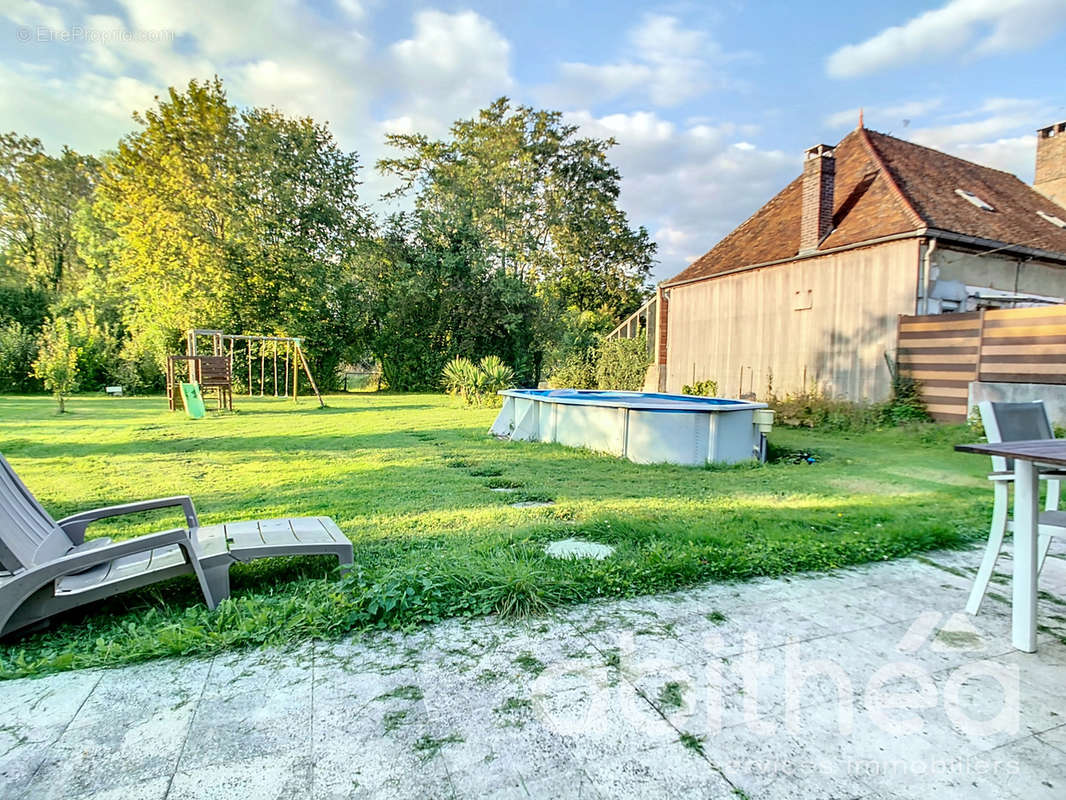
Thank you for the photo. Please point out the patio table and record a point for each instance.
(1027, 456)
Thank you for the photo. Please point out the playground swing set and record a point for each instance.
(191, 376)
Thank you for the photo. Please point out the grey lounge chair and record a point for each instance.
(48, 567)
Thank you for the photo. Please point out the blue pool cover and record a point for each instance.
(651, 401)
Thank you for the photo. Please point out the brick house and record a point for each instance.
(808, 291)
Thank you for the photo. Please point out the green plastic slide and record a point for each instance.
(193, 400)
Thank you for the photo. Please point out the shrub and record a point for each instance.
(138, 370)
(18, 349)
(707, 388)
(477, 383)
(57, 359)
(814, 408)
(457, 375)
(906, 404)
(576, 372)
(496, 375)
(622, 364)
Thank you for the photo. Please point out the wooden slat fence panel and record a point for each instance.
(1024, 345)
(944, 352)
(941, 352)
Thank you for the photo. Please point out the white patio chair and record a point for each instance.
(1015, 422)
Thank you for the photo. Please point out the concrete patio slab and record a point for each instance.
(867, 683)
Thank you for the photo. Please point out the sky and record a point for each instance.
(711, 103)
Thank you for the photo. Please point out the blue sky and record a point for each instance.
(712, 103)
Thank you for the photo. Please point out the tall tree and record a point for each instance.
(542, 202)
(428, 296)
(39, 198)
(235, 220)
(169, 201)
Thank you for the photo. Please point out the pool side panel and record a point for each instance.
(598, 428)
(505, 420)
(675, 438)
(732, 437)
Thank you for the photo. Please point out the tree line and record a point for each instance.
(247, 220)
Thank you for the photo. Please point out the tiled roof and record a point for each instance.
(887, 186)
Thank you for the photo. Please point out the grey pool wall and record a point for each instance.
(643, 427)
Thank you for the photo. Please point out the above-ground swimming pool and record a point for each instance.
(644, 427)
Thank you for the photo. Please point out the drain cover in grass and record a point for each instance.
(502, 489)
(575, 548)
(532, 504)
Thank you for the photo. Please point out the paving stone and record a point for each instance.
(19, 762)
(667, 771)
(124, 696)
(155, 789)
(1056, 737)
(564, 786)
(254, 705)
(276, 777)
(1035, 770)
(101, 758)
(776, 764)
(38, 709)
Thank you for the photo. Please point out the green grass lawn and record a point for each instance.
(408, 478)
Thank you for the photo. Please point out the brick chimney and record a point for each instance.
(819, 172)
(1050, 178)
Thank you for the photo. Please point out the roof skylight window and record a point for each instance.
(1052, 219)
(970, 197)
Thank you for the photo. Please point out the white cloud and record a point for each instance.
(883, 117)
(689, 184)
(32, 13)
(668, 65)
(997, 132)
(1015, 154)
(966, 27)
(452, 66)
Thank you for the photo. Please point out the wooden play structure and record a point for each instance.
(215, 371)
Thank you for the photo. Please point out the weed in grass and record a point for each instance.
(513, 712)
(670, 697)
(428, 746)
(528, 663)
(489, 676)
(457, 463)
(485, 472)
(692, 742)
(717, 617)
(612, 657)
(394, 719)
(519, 589)
(408, 692)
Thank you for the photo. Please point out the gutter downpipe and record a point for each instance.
(927, 279)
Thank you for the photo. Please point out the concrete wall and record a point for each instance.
(998, 271)
(1053, 395)
(826, 320)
